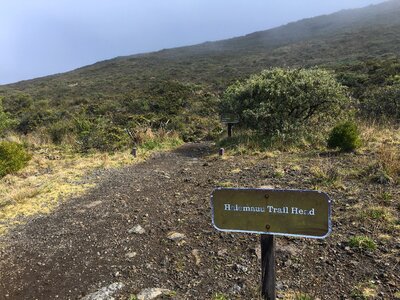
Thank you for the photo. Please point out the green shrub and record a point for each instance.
(101, 134)
(345, 136)
(59, 130)
(5, 119)
(383, 104)
(13, 157)
(292, 103)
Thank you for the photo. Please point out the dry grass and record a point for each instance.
(388, 157)
(54, 175)
(365, 291)
(50, 178)
(326, 174)
(374, 135)
(382, 144)
(291, 295)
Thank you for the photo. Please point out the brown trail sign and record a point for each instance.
(229, 119)
(300, 213)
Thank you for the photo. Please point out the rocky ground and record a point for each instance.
(146, 229)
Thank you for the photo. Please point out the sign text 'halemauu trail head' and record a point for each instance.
(303, 213)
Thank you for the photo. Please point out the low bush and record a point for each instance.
(5, 119)
(59, 130)
(13, 157)
(345, 136)
(290, 103)
(101, 134)
(382, 104)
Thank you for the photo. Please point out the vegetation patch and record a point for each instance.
(13, 157)
(54, 175)
(378, 213)
(220, 296)
(288, 103)
(362, 243)
(325, 174)
(345, 136)
(364, 291)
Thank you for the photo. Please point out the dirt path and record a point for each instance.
(93, 241)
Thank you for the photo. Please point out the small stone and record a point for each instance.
(288, 263)
(258, 252)
(279, 285)
(241, 268)
(175, 236)
(105, 293)
(289, 250)
(137, 229)
(222, 252)
(131, 254)
(152, 293)
(236, 289)
(196, 255)
(93, 204)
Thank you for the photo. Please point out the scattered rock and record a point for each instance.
(257, 251)
(288, 263)
(222, 252)
(93, 204)
(240, 268)
(175, 236)
(137, 229)
(236, 289)
(279, 285)
(131, 254)
(152, 293)
(196, 255)
(267, 187)
(289, 250)
(105, 293)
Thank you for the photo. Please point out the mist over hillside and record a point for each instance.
(344, 36)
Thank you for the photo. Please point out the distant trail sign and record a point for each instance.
(229, 118)
(302, 213)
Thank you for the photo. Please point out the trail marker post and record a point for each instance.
(229, 119)
(270, 212)
(134, 149)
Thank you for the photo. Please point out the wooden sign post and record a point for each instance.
(269, 212)
(230, 120)
(268, 284)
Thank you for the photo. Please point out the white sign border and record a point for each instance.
(274, 233)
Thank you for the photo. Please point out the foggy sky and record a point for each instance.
(44, 37)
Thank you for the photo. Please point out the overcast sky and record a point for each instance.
(43, 37)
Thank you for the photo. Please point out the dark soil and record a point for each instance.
(86, 243)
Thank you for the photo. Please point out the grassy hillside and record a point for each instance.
(179, 88)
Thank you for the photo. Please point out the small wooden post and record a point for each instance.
(268, 267)
(230, 125)
(134, 152)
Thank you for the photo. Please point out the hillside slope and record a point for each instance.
(345, 35)
(361, 44)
